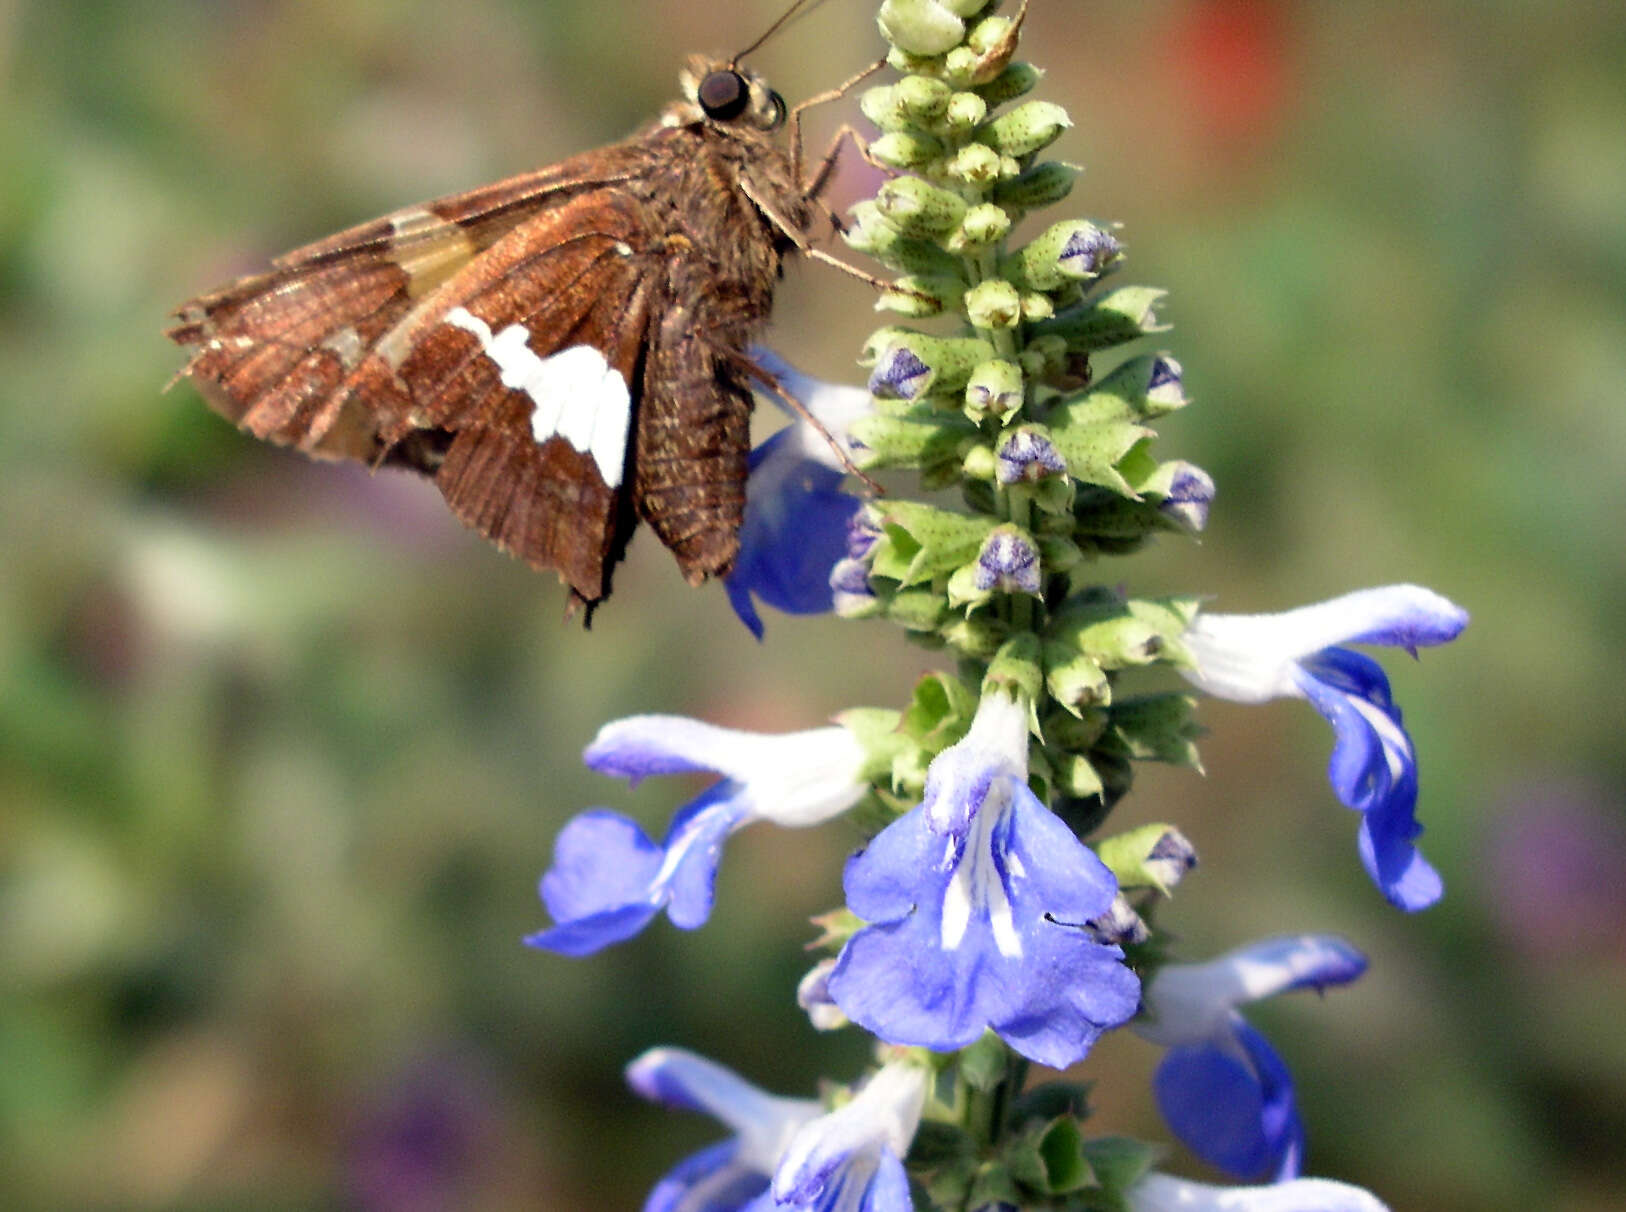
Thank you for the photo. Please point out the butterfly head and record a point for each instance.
(725, 93)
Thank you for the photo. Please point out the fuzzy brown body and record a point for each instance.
(389, 343)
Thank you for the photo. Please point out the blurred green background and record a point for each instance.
(283, 748)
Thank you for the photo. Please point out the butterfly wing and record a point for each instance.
(344, 350)
(271, 352)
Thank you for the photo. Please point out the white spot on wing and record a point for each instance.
(575, 393)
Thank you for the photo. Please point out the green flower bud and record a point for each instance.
(1026, 129)
(906, 149)
(960, 66)
(975, 164)
(1107, 631)
(884, 108)
(1044, 184)
(977, 635)
(921, 295)
(907, 64)
(980, 464)
(923, 437)
(1073, 679)
(1122, 315)
(966, 112)
(917, 208)
(920, 608)
(993, 304)
(994, 389)
(923, 98)
(1017, 80)
(1156, 728)
(1077, 777)
(1058, 552)
(1036, 307)
(984, 225)
(920, 542)
(921, 27)
(874, 236)
(1043, 357)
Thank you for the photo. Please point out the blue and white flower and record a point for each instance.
(979, 902)
(1222, 1088)
(1252, 658)
(609, 880)
(796, 515)
(730, 1175)
(851, 1160)
(1165, 1193)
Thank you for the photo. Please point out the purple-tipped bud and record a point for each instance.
(899, 375)
(1191, 492)
(1028, 455)
(1090, 251)
(1171, 856)
(850, 592)
(1008, 562)
(1120, 925)
(863, 532)
(1163, 385)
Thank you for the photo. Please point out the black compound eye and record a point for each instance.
(724, 95)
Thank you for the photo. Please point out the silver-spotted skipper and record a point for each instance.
(561, 352)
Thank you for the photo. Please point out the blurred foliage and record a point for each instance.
(282, 748)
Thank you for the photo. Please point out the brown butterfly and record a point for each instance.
(561, 352)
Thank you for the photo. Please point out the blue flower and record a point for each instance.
(1252, 658)
(609, 880)
(979, 903)
(1222, 1088)
(1165, 1193)
(730, 1175)
(796, 515)
(851, 1160)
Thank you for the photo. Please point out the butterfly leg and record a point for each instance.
(771, 381)
(834, 94)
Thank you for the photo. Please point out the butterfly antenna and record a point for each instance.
(784, 20)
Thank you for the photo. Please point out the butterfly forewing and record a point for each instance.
(529, 359)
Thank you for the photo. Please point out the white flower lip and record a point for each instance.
(1164, 1193)
(793, 779)
(1189, 1003)
(1249, 658)
(764, 1123)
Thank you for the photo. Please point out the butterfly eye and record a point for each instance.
(724, 95)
